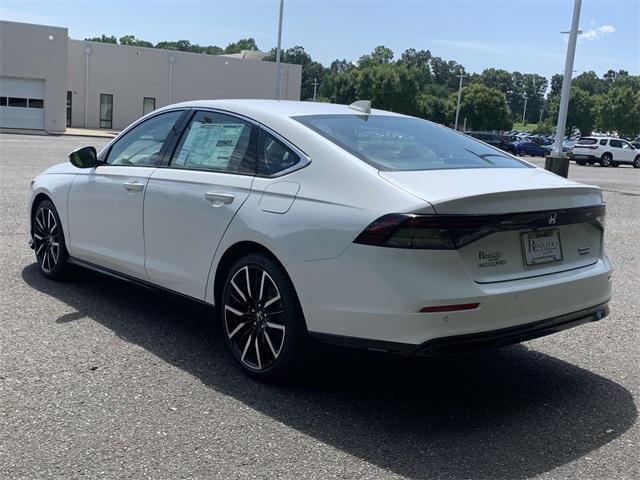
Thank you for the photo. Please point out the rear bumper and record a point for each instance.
(583, 156)
(377, 294)
(477, 341)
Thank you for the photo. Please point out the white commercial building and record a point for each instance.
(50, 82)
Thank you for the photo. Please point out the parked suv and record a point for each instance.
(605, 151)
(494, 140)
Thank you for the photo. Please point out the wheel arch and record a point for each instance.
(37, 200)
(231, 255)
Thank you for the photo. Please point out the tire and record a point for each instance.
(606, 159)
(262, 319)
(615, 164)
(591, 162)
(48, 241)
(581, 162)
(636, 162)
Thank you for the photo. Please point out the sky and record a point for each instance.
(522, 35)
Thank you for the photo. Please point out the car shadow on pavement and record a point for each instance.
(509, 413)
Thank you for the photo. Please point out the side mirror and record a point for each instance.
(85, 157)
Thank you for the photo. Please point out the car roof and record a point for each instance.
(257, 108)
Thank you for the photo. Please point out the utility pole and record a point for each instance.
(557, 162)
(461, 76)
(566, 81)
(278, 93)
(315, 88)
(524, 112)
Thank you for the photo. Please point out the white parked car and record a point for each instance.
(354, 226)
(606, 151)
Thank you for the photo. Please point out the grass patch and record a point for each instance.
(529, 127)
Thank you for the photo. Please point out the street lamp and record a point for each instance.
(557, 162)
(278, 51)
(566, 81)
(461, 76)
(524, 112)
(315, 88)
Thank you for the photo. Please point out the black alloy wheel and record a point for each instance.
(262, 318)
(48, 240)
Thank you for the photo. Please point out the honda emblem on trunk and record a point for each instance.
(552, 217)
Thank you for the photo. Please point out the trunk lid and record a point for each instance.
(538, 223)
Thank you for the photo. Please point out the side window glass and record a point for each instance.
(603, 142)
(615, 143)
(217, 142)
(273, 155)
(141, 145)
(625, 145)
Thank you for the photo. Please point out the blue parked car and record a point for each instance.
(526, 147)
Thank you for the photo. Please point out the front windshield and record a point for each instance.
(405, 143)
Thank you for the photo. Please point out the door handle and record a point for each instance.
(219, 199)
(133, 186)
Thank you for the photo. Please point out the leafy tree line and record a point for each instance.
(180, 45)
(418, 83)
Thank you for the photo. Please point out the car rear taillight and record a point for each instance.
(407, 231)
(449, 232)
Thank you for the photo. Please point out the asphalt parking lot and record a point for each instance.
(99, 379)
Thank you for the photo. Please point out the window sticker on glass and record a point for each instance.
(209, 145)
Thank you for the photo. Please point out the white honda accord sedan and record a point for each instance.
(355, 226)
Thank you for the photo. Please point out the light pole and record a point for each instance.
(566, 81)
(524, 112)
(461, 76)
(315, 88)
(278, 51)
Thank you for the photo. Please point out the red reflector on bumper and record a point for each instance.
(449, 308)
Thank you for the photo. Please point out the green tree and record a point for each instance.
(435, 108)
(135, 42)
(380, 56)
(103, 39)
(580, 114)
(619, 110)
(242, 44)
(589, 82)
(556, 85)
(484, 108)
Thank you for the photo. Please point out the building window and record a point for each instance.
(69, 100)
(148, 105)
(17, 102)
(106, 110)
(36, 103)
(3, 101)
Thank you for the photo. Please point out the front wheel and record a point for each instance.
(263, 322)
(636, 162)
(606, 160)
(48, 241)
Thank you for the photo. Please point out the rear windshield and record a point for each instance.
(405, 143)
(587, 141)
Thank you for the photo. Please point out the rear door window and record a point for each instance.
(615, 143)
(273, 155)
(219, 143)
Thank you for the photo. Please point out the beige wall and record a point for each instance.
(131, 73)
(26, 51)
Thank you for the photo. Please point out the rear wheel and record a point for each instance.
(581, 162)
(48, 241)
(263, 321)
(606, 160)
(636, 162)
